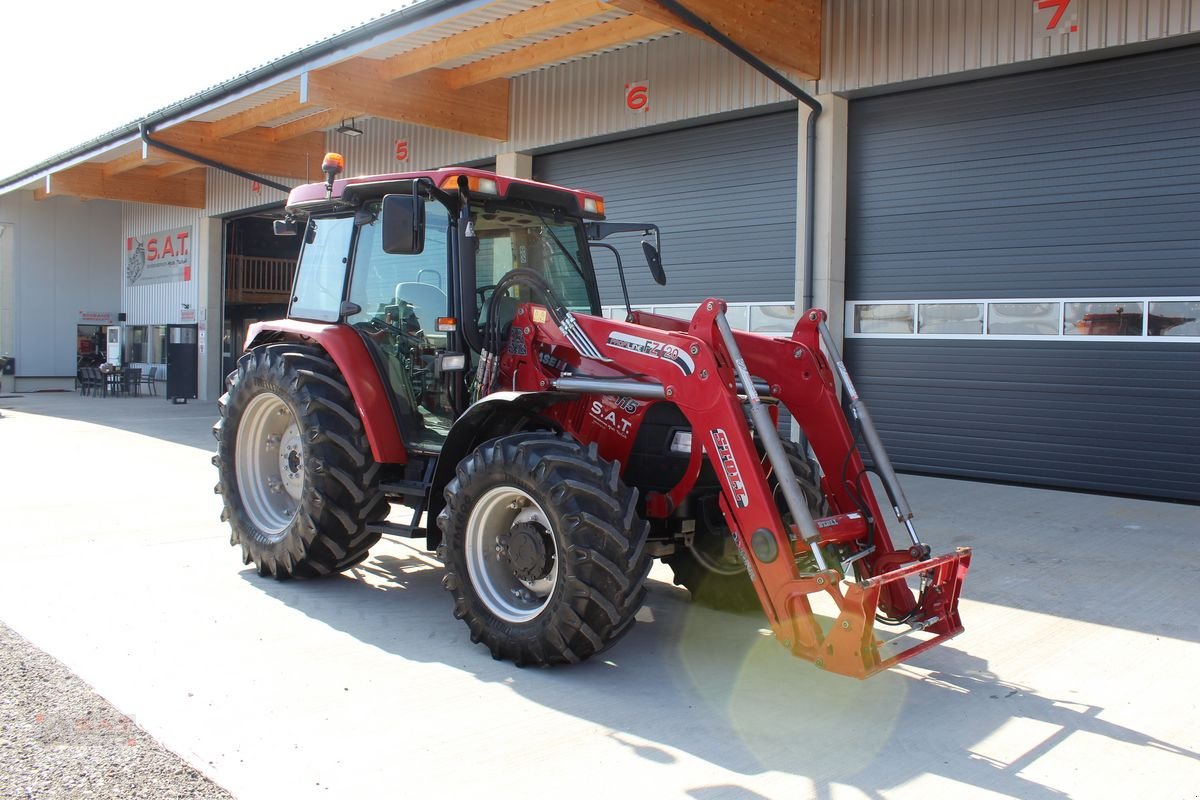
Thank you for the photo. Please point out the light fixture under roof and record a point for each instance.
(349, 129)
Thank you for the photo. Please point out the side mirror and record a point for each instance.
(654, 261)
(287, 227)
(403, 219)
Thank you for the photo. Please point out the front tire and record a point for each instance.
(295, 468)
(545, 553)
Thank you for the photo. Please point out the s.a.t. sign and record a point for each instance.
(163, 257)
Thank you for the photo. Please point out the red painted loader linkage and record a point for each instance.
(705, 368)
(557, 451)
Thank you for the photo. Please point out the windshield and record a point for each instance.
(515, 237)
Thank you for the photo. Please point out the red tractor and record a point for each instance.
(444, 358)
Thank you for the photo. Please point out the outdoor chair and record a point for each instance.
(149, 378)
(94, 381)
(131, 380)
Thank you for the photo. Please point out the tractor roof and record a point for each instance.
(481, 183)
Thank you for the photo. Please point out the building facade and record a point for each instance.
(1002, 199)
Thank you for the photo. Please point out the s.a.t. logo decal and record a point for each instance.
(653, 349)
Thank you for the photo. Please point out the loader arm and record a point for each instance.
(699, 369)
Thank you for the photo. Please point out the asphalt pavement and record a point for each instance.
(1076, 676)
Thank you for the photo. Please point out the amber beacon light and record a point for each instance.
(333, 165)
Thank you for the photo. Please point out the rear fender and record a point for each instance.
(347, 350)
(498, 414)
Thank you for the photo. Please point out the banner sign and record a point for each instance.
(163, 257)
(96, 317)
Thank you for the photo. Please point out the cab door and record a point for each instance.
(400, 298)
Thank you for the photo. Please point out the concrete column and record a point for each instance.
(829, 246)
(514, 165)
(209, 296)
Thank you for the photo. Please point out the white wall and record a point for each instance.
(66, 258)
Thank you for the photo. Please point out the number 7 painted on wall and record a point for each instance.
(1060, 5)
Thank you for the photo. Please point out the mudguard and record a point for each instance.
(362, 377)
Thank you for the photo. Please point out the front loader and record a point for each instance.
(445, 373)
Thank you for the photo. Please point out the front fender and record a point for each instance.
(498, 414)
(346, 348)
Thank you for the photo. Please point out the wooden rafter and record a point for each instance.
(786, 33)
(132, 161)
(427, 98)
(598, 37)
(530, 22)
(169, 170)
(652, 10)
(259, 115)
(313, 122)
(89, 182)
(253, 151)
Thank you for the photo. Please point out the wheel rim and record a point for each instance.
(270, 463)
(512, 555)
(727, 562)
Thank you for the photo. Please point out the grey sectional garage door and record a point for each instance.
(1081, 182)
(724, 196)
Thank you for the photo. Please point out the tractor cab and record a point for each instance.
(412, 263)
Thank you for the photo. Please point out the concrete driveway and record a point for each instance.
(1077, 676)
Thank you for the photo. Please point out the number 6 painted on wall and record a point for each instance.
(637, 96)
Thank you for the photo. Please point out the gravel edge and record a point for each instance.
(59, 739)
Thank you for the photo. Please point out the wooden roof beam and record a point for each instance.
(529, 22)
(427, 98)
(560, 48)
(253, 151)
(88, 181)
(786, 33)
(132, 161)
(313, 122)
(259, 115)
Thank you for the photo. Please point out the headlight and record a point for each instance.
(681, 442)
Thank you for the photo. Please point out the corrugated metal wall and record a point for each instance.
(226, 193)
(1081, 181)
(719, 238)
(876, 42)
(374, 152)
(687, 78)
(1076, 181)
(1106, 416)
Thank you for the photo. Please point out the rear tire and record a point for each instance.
(711, 568)
(544, 550)
(295, 468)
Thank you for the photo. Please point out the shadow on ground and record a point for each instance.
(713, 685)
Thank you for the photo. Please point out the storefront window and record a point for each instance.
(157, 345)
(135, 344)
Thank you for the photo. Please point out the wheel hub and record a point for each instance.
(291, 460)
(528, 550)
